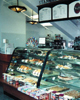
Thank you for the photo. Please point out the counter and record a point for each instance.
(4, 61)
(55, 70)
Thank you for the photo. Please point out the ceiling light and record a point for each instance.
(17, 8)
(32, 21)
(46, 24)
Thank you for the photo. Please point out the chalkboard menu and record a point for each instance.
(45, 14)
(60, 11)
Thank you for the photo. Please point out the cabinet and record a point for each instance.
(0, 70)
(4, 61)
(57, 70)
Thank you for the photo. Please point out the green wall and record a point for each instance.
(12, 26)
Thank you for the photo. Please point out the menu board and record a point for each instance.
(60, 11)
(74, 9)
(45, 14)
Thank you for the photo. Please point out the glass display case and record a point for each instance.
(57, 70)
(26, 64)
(63, 72)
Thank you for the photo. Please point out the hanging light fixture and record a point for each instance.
(32, 21)
(17, 8)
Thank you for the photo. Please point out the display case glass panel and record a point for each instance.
(26, 64)
(63, 69)
(57, 70)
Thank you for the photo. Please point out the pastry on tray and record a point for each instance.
(30, 80)
(73, 93)
(58, 89)
(20, 77)
(67, 57)
(65, 78)
(24, 69)
(63, 67)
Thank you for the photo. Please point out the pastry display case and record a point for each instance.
(65, 68)
(26, 65)
(57, 70)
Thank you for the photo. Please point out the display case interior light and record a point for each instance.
(46, 24)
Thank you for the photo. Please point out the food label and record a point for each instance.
(44, 96)
(53, 96)
(61, 98)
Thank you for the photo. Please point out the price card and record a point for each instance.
(45, 14)
(60, 11)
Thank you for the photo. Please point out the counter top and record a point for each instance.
(5, 57)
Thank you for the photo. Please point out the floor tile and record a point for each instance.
(4, 96)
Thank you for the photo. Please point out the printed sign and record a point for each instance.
(60, 11)
(45, 14)
(74, 9)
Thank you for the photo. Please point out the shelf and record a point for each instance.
(36, 56)
(51, 4)
(4, 82)
(63, 19)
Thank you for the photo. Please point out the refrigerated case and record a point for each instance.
(65, 68)
(27, 64)
(47, 68)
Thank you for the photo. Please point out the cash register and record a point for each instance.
(43, 43)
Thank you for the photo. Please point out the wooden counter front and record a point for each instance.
(5, 57)
(4, 61)
(12, 90)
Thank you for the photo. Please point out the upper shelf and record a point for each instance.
(51, 4)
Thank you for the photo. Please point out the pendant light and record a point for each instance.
(32, 22)
(17, 8)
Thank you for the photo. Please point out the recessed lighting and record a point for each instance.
(46, 24)
(34, 16)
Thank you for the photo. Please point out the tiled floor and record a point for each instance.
(5, 96)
